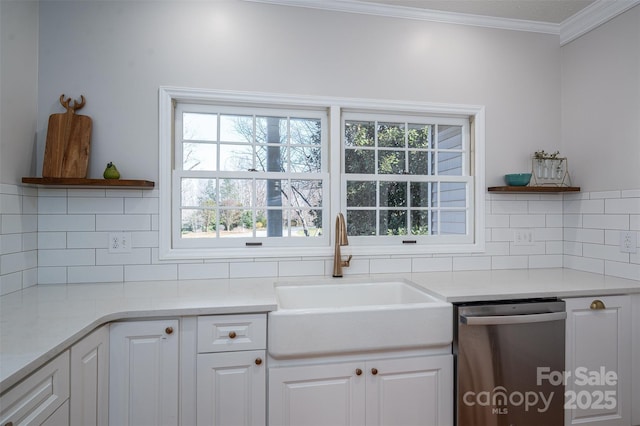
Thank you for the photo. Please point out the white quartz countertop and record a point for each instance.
(38, 323)
(473, 286)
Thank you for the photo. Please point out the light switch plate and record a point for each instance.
(523, 237)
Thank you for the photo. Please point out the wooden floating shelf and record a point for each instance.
(90, 183)
(521, 189)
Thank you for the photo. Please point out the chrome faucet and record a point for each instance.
(341, 240)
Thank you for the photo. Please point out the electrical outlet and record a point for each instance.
(120, 242)
(523, 237)
(628, 242)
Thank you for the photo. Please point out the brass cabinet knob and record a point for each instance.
(232, 335)
(8, 424)
(168, 330)
(374, 371)
(258, 361)
(358, 372)
(597, 304)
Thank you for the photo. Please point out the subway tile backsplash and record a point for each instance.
(593, 222)
(52, 235)
(18, 238)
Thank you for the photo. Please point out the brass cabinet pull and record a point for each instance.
(597, 304)
(258, 361)
(232, 335)
(8, 424)
(358, 372)
(374, 371)
(168, 330)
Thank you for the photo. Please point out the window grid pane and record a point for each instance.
(228, 202)
(423, 204)
(251, 207)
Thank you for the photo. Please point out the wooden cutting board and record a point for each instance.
(66, 154)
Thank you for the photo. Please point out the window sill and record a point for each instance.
(325, 253)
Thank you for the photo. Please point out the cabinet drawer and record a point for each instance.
(222, 333)
(38, 396)
(60, 417)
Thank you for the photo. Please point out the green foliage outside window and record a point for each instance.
(382, 150)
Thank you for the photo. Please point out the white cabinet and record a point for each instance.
(89, 404)
(393, 391)
(40, 398)
(212, 368)
(143, 373)
(598, 361)
(70, 390)
(231, 371)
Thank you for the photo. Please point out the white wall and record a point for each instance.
(18, 88)
(601, 105)
(117, 54)
(18, 113)
(601, 138)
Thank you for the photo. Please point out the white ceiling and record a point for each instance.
(550, 11)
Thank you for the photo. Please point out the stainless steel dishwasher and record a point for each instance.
(508, 358)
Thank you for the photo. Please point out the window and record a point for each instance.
(260, 175)
(246, 175)
(406, 177)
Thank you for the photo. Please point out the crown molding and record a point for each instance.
(584, 21)
(355, 6)
(591, 17)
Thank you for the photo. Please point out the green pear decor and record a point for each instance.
(111, 172)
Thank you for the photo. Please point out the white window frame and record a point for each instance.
(168, 96)
(269, 242)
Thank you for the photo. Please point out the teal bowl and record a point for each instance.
(517, 179)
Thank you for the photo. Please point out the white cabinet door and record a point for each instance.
(143, 376)
(410, 391)
(317, 395)
(390, 392)
(598, 360)
(231, 389)
(90, 380)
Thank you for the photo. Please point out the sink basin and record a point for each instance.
(318, 319)
(326, 296)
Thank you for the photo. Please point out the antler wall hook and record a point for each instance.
(67, 103)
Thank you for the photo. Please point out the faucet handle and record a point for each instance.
(346, 262)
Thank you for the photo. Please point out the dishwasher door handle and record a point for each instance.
(512, 319)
